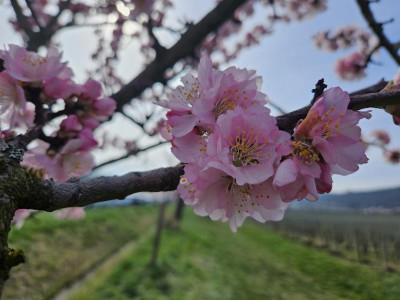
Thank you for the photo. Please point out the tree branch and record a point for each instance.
(50, 196)
(130, 153)
(21, 18)
(377, 29)
(33, 13)
(154, 72)
(83, 192)
(378, 100)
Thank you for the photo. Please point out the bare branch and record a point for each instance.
(21, 18)
(130, 153)
(33, 13)
(154, 72)
(378, 100)
(378, 29)
(80, 193)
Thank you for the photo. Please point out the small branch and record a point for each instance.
(53, 21)
(33, 13)
(140, 124)
(277, 107)
(130, 153)
(378, 29)
(379, 86)
(158, 48)
(378, 100)
(21, 18)
(195, 34)
(320, 86)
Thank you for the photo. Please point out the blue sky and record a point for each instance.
(289, 64)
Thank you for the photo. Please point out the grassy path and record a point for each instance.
(204, 260)
(60, 251)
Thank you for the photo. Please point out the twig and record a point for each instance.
(33, 13)
(195, 34)
(378, 29)
(130, 153)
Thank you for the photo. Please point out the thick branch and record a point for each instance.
(84, 192)
(378, 29)
(184, 47)
(51, 196)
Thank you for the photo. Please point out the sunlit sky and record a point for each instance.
(288, 62)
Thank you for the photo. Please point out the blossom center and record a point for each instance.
(33, 60)
(247, 148)
(229, 100)
(306, 151)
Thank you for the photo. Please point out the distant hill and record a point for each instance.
(387, 198)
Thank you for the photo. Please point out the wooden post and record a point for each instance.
(157, 236)
(179, 210)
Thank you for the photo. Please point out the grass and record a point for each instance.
(372, 239)
(59, 251)
(204, 260)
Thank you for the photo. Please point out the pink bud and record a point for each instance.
(105, 106)
(71, 123)
(92, 89)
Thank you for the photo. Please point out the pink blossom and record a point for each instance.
(85, 141)
(25, 119)
(73, 213)
(219, 196)
(351, 67)
(244, 145)
(393, 156)
(180, 101)
(20, 216)
(29, 66)
(12, 98)
(225, 90)
(63, 166)
(61, 88)
(104, 108)
(327, 141)
(35, 155)
(91, 89)
(90, 123)
(382, 136)
(71, 123)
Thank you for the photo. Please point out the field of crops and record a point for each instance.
(370, 239)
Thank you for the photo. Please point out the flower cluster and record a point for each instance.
(31, 88)
(237, 161)
(352, 66)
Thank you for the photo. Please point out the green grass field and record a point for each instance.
(204, 260)
(201, 260)
(59, 251)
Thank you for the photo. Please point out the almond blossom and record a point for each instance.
(29, 66)
(351, 67)
(244, 144)
(12, 98)
(326, 142)
(219, 196)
